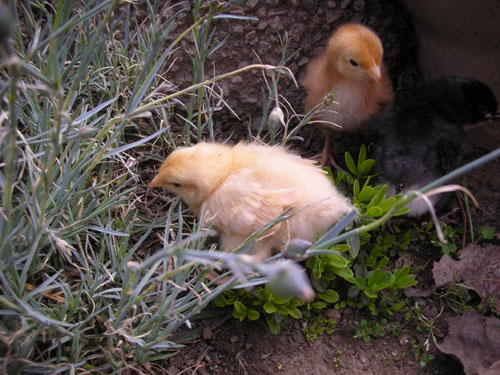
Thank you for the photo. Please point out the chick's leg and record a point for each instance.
(325, 156)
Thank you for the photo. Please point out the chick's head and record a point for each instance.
(356, 52)
(194, 172)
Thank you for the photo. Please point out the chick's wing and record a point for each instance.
(242, 204)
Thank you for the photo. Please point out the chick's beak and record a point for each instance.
(154, 182)
(375, 73)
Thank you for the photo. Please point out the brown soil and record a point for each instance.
(249, 348)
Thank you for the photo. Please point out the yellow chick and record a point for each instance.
(352, 67)
(244, 187)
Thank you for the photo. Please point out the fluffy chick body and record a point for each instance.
(244, 187)
(418, 141)
(352, 67)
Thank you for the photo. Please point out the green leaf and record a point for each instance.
(329, 172)
(345, 273)
(398, 306)
(449, 248)
(219, 301)
(379, 197)
(269, 308)
(281, 300)
(354, 245)
(401, 273)
(374, 278)
(353, 291)
(486, 232)
(361, 155)
(295, 302)
(387, 204)
(360, 283)
(239, 316)
(350, 164)
(329, 296)
(383, 262)
(273, 325)
(342, 248)
(339, 178)
(407, 281)
(366, 193)
(295, 312)
(355, 189)
(282, 309)
(253, 315)
(383, 282)
(262, 294)
(336, 261)
(318, 305)
(239, 307)
(402, 211)
(370, 294)
(365, 167)
(374, 211)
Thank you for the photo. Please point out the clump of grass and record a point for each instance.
(72, 98)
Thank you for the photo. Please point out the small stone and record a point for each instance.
(277, 12)
(263, 47)
(333, 314)
(404, 339)
(359, 5)
(332, 16)
(207, 333)
(251, 35)
(276, 23)
(364, 360)
(233, 339)
(236, 79)
(303, 61)
(249, 99)
(302, 16)
(262, 25)
(237, 29)
(345, 3)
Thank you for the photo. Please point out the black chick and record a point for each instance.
(423, 139)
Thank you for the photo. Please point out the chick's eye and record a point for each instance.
(176, 184)
(353, 63)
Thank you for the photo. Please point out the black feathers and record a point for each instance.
(423, 139)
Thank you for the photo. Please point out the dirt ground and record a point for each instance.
(250, 348)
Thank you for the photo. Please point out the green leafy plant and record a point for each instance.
(362, 261)
(486, 233)
(367, 331)
(318, 326)
(261, 302)
(370, 200)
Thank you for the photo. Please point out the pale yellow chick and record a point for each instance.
(244, 187)
(351, 66)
